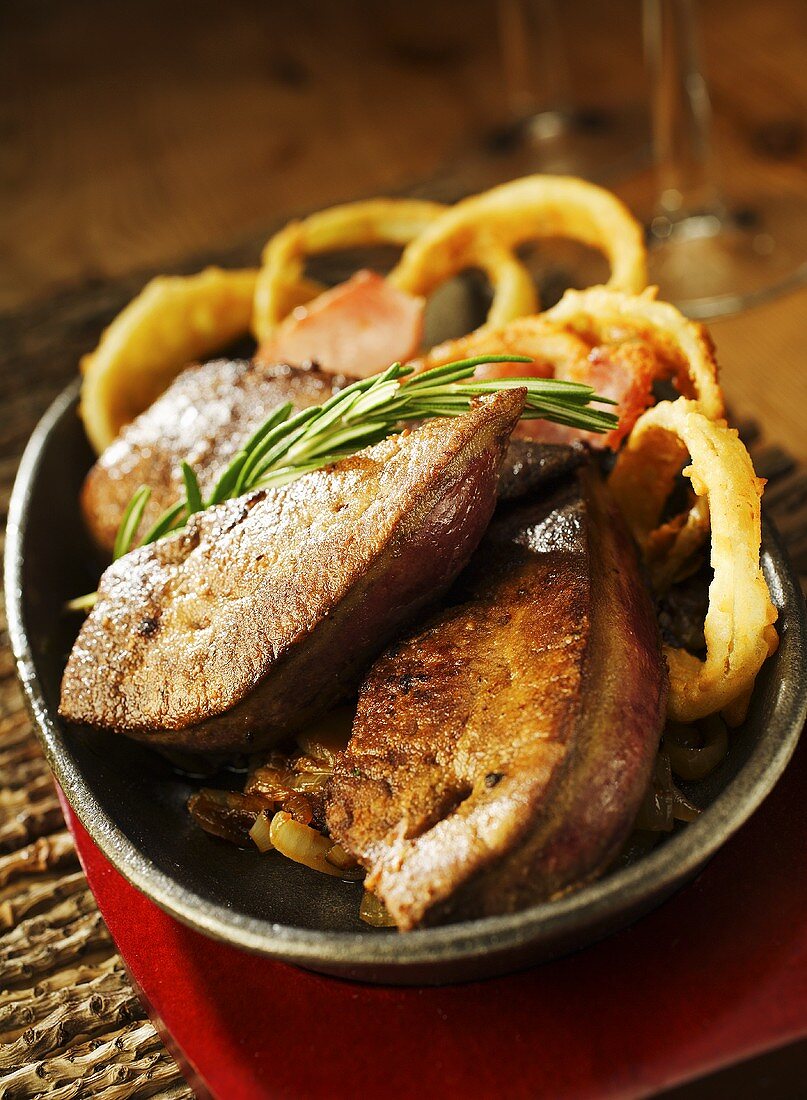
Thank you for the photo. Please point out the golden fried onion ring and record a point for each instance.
(173, 321)
(561, 339)
(520, 211)
(739, 627)
(534, 336)
(282, 284)
(605, 315)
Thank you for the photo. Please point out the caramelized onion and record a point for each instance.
(347, 865)
(656, 810)
(695, 751)
(683, 809)
(226, 814)
(302, 844)
(261, 832)
(272, 780)
(373, 911)
(328, 736)
(299, 808)
(308, 782)
(663, 803)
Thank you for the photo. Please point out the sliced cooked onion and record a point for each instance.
(373, 911)
(302, 843)
(695, 751)
(683, 809)
(309, 782)
(299, 807)
(261, 832)
(328, 736)
(656, 810)
(226, 814)
(348, 867)
(271, 781)
(663, 803)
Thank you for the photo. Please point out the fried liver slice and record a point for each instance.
(500, 753)
(530, 467)
(267, 609)
(203, 418)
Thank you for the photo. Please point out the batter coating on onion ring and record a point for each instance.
(739, 628)
(619, 343)
(605, 315)
(513, 213)
(173, 321)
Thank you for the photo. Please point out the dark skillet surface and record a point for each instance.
(133, 803)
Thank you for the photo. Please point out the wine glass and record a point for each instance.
(714, 247)
(548, 129)
(543, 126)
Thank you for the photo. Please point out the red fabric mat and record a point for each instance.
(716, 975)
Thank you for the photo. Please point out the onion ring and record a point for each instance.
(172, 322)
(739, 629)
(618, 343)
(551, 347)
(282, 285)
(601, 314)
(514, 293)
(516, 212)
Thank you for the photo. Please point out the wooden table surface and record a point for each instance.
(140, 135)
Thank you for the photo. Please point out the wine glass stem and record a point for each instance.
(681, 114)
(532, 47)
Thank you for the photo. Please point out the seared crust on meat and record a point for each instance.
(499, 755)
(530, 467)
(269, 608)
(203, 418)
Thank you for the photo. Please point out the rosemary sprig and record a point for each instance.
(291, 443)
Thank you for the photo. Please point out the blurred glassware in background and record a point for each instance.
(724, 232)
(543, 126)
(713, 249)
(547, 129)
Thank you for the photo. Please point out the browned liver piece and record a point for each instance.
(269, 608)
(500, 753)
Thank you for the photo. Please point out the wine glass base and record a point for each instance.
(602, 146)
(722, 260)
(599, 144)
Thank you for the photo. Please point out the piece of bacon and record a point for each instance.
(623, 372)
(356, 328)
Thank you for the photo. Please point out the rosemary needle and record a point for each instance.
(291, 443)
